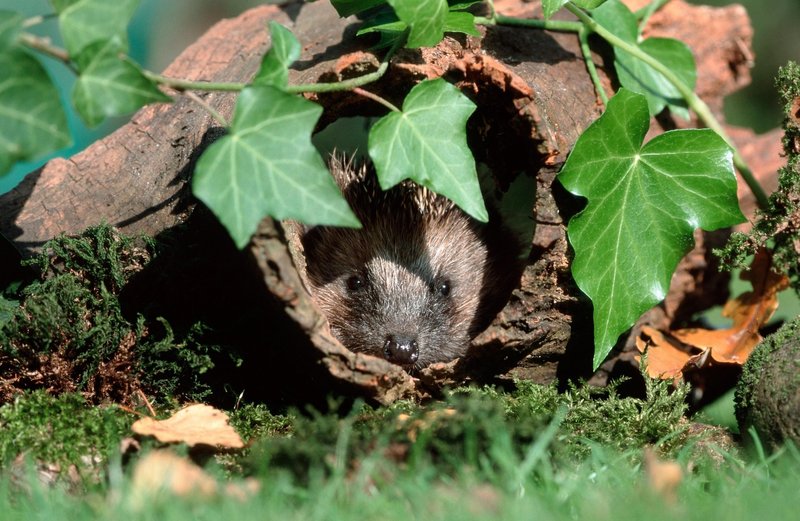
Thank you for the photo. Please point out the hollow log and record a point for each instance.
(534, 99)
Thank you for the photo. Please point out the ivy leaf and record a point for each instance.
(551, 6)
(348, 7)
(32, 120)
(268, 166)
(634, 74)
(460, 22)
(284, 51)
(110, 85)
(87, 21)
(10, 26)
(60, 5)
(644, 202)
(426, 19)
(639, 77)
(427, 142)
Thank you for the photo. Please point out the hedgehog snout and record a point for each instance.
(401, 349)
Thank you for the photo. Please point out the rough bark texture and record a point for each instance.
(534, 99)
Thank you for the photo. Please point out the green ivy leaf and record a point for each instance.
(644, 202)
(639, 77)
(268, 166)
(110, 85)
(10, 27)
(460, 22)
(459, 5)
(551, 6)
(60, 5)
(88, 21)
(32, 120)
(348, 7)
(284, 51)
(427, 142)
(426, 18)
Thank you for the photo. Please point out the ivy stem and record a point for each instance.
(693, 100)
(583, 37)
(184, 85)
(33, 20)
(43, 45)
(548, 25)
(208, 108)
(644, 14)
(374, 97)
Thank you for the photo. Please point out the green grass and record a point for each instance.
(479, 454)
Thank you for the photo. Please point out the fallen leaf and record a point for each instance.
(197, 424)
(162, 471)
(670, 355)
(663, 477)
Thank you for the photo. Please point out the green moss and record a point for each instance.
(69, 332)
(473, 423)
(765, 397)
(62, 430)
(777, 225)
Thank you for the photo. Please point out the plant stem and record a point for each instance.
(583, 37)
(182, 85)
(208, 108)
(44, 46)
(33, 20)
(647, 11)
(548, 25)
(693, 100)
(374, 97)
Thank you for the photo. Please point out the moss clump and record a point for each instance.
(68, 332)
(474, 424)
(768, 395)
(62, 431)
(779, 223)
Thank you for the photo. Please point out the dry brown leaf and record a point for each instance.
(663, 477)
(197, 424)
(670, 355)
(163, 471)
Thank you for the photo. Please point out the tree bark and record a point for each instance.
(534, 99)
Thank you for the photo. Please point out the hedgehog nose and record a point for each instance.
(401, 349)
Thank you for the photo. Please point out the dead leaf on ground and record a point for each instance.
(162, 471)
(671, 354)
(663, 477)
(197, 424)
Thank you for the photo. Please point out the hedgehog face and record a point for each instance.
(408, 294)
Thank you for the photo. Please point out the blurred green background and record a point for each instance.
(161, 30)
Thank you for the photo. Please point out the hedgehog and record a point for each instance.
(418, 281)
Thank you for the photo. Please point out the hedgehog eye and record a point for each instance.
(355, 283)
(440, 287)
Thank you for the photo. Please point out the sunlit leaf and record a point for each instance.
(636, 75)
(644, 203)
(425, 18)
(284, 50)
(427, 143)
(88, 21)
(110, 85)
(267, 165)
